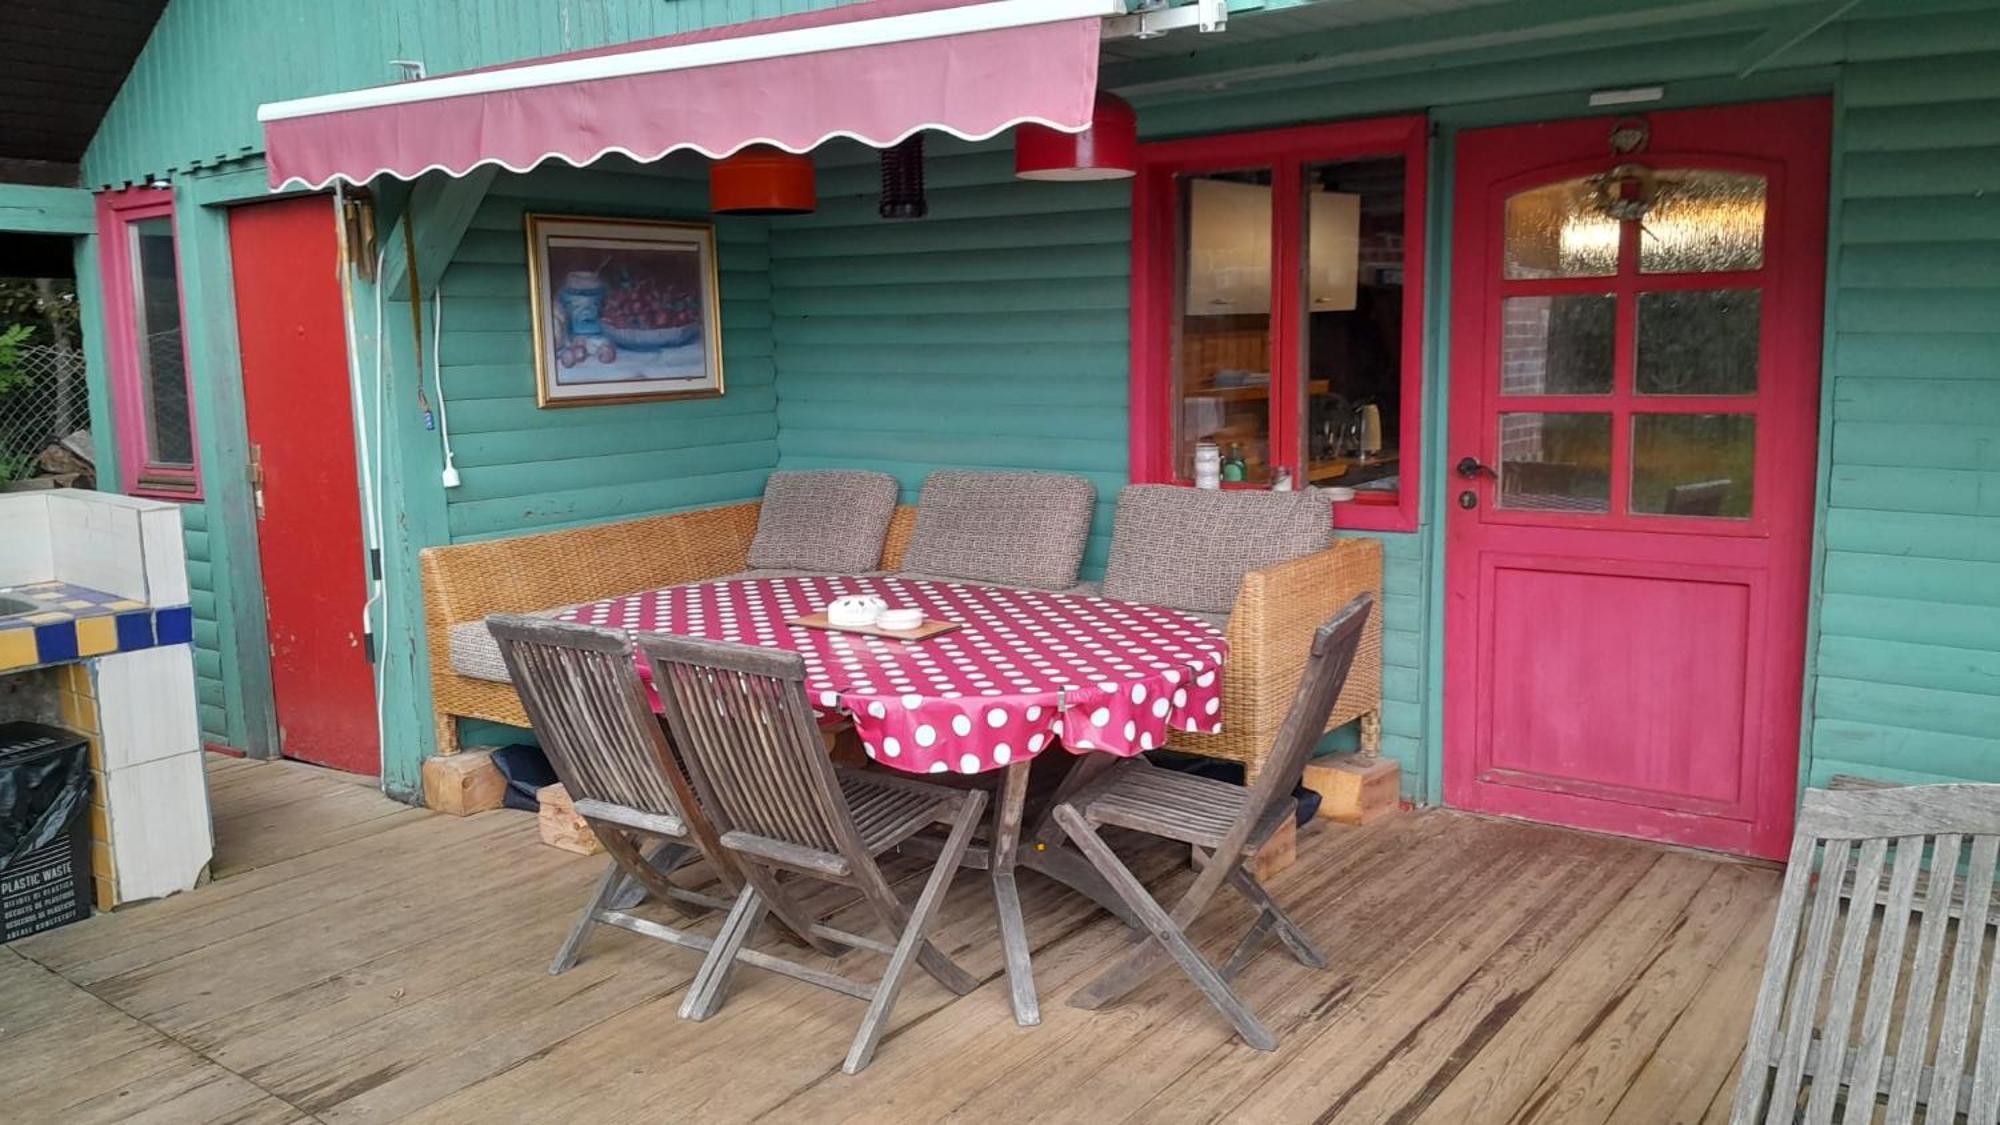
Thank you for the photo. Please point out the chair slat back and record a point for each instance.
(580, 687)
(1333, 647)
(1877, 995)
(741, 718)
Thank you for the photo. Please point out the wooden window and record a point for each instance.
(1277, 310)
(149, 371)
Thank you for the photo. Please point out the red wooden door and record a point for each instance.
(1634, 394)
(288, 319)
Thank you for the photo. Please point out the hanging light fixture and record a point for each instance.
(762, 180)
(1107, 150)
(903, 180)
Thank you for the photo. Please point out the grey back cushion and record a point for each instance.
(1189, 548)
(824, 522)
(1013, 529)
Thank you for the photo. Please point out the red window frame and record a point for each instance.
(140, 473)
(1154, 249)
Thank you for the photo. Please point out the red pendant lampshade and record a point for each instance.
(761, 180)
(1108, 150)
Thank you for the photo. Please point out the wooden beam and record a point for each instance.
(439, 212)
(1786, 34)
(1473, 29)
(29, 209)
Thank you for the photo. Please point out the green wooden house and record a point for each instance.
(1655, 340)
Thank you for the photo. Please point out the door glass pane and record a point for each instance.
(1353, 321)
(162, 359)
(1556, 230)
(1702, 221)
(1557, 345)
(1222, 350)
(1693, 464)
(1699, 342)
(1555, 462)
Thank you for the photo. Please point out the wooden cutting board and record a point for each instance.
(924, 632)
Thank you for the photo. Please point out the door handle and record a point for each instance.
(1469, 468)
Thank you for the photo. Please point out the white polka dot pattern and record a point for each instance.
(1025, 669)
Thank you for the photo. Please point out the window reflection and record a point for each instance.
(1353, 323)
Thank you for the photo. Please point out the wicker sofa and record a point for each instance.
(1275, 612)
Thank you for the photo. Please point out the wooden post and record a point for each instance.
(1355, 789)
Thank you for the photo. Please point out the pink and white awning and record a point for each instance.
(876, 72)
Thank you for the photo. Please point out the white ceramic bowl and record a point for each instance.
(855, 609)
(900, 619)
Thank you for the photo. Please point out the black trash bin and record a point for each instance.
(44, 829)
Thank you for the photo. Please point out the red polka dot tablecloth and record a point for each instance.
(1026, 668)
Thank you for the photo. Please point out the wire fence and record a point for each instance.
(45, 401)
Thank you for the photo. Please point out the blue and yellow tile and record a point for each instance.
(55, 642)
(96, 635)
(17, 648)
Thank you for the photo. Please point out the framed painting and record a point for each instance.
(625, 310)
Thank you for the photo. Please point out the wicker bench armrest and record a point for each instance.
(1270, 634)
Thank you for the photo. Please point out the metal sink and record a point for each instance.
(11, 606)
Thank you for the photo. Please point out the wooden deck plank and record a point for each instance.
(1481, 970)
(1586, 1085)
(1335, 1056)
(1696, 1064)
(1573, 1001)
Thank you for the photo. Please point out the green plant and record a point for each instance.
(11, 373)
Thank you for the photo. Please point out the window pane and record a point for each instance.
(1703, 221)
(1557, 345)
(1222, 354)
(1353, 336)
(1556, 230)
(1699, 343)
(1693, 464)
(162, 359)
(1555, 462)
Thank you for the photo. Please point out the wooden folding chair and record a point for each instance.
(741, 719)
(580, 687)
(1880, 882)
(1227, 824)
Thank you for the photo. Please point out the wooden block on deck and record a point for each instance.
(1354, 792)
(1278, 853)
(463, 783)
(560, 826)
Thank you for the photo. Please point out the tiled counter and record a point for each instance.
(101, 629)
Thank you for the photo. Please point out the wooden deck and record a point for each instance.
(357, 960)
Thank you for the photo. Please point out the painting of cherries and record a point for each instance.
(627, 309)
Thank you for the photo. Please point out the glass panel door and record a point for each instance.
(1630, 341)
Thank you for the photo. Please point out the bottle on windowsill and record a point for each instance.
(1235, 467)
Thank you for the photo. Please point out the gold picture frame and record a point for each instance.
(623, 310)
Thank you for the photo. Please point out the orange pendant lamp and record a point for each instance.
(1108, 150)
(762, 180)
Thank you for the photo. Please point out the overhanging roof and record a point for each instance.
(61, 63)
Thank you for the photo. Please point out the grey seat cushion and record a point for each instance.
(1015, 529)
(474, 652)
(1189, 548)
(824, 522)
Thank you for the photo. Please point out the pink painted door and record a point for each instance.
(1634, 393)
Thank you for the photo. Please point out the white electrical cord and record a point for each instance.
(437, 381)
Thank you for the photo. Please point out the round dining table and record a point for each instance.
(1022, 671)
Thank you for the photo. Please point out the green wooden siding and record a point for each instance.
(1908, 659)
(992, 334)
(208, 670)
(191, 99)
(525, 468)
